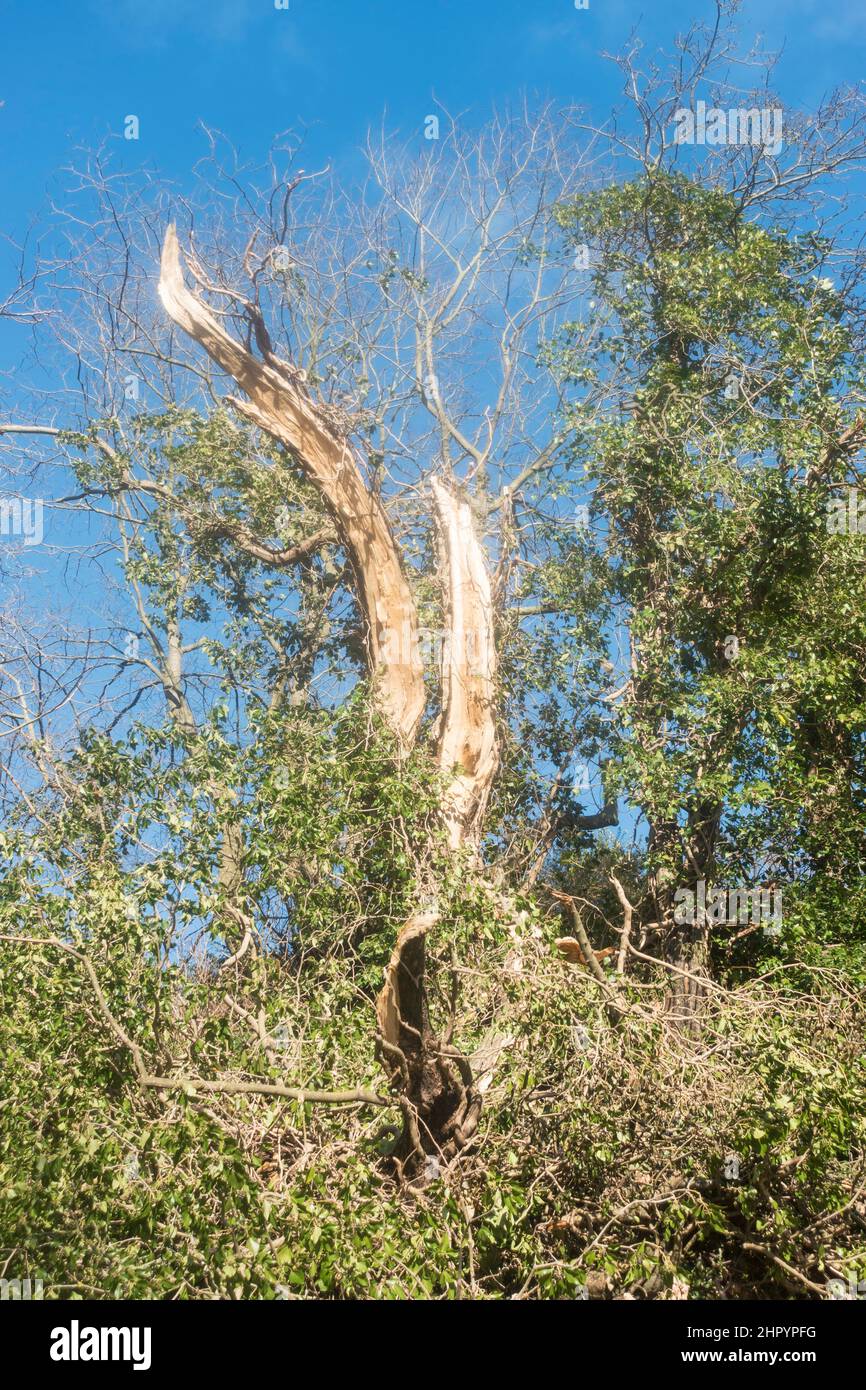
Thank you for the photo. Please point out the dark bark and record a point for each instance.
(683, 860)
(440, 1104)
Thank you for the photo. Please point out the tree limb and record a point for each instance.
(278, 403)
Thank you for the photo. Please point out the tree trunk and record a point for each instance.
(279, 404)
(440, 1105)
(686, 944)
(436, 1078)
(687, 954)
(467, 751)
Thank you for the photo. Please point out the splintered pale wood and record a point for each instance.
(571, 949)
(467, 751)
(278, 402)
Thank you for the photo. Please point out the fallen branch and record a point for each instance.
(189, 1085)
(785, 1267)
(627, 914)
(616, 1010)
(583, 940)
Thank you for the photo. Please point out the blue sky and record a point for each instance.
(70, 73)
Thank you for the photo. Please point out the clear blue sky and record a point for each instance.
(70, 72)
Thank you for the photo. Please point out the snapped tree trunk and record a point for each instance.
(278, 403)
(467, 743)
(441, 1106)
(438, 1078)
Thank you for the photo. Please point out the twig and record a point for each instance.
(583, 939)
(786, 1268)
(628, 913)
(616, 1011)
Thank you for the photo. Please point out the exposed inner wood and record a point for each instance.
(435, 1079)
(466, 751)
(279, 403)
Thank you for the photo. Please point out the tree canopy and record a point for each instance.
(434, 787)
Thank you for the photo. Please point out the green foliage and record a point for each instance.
(606, 1165)
(725, 364)
(236, 860)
